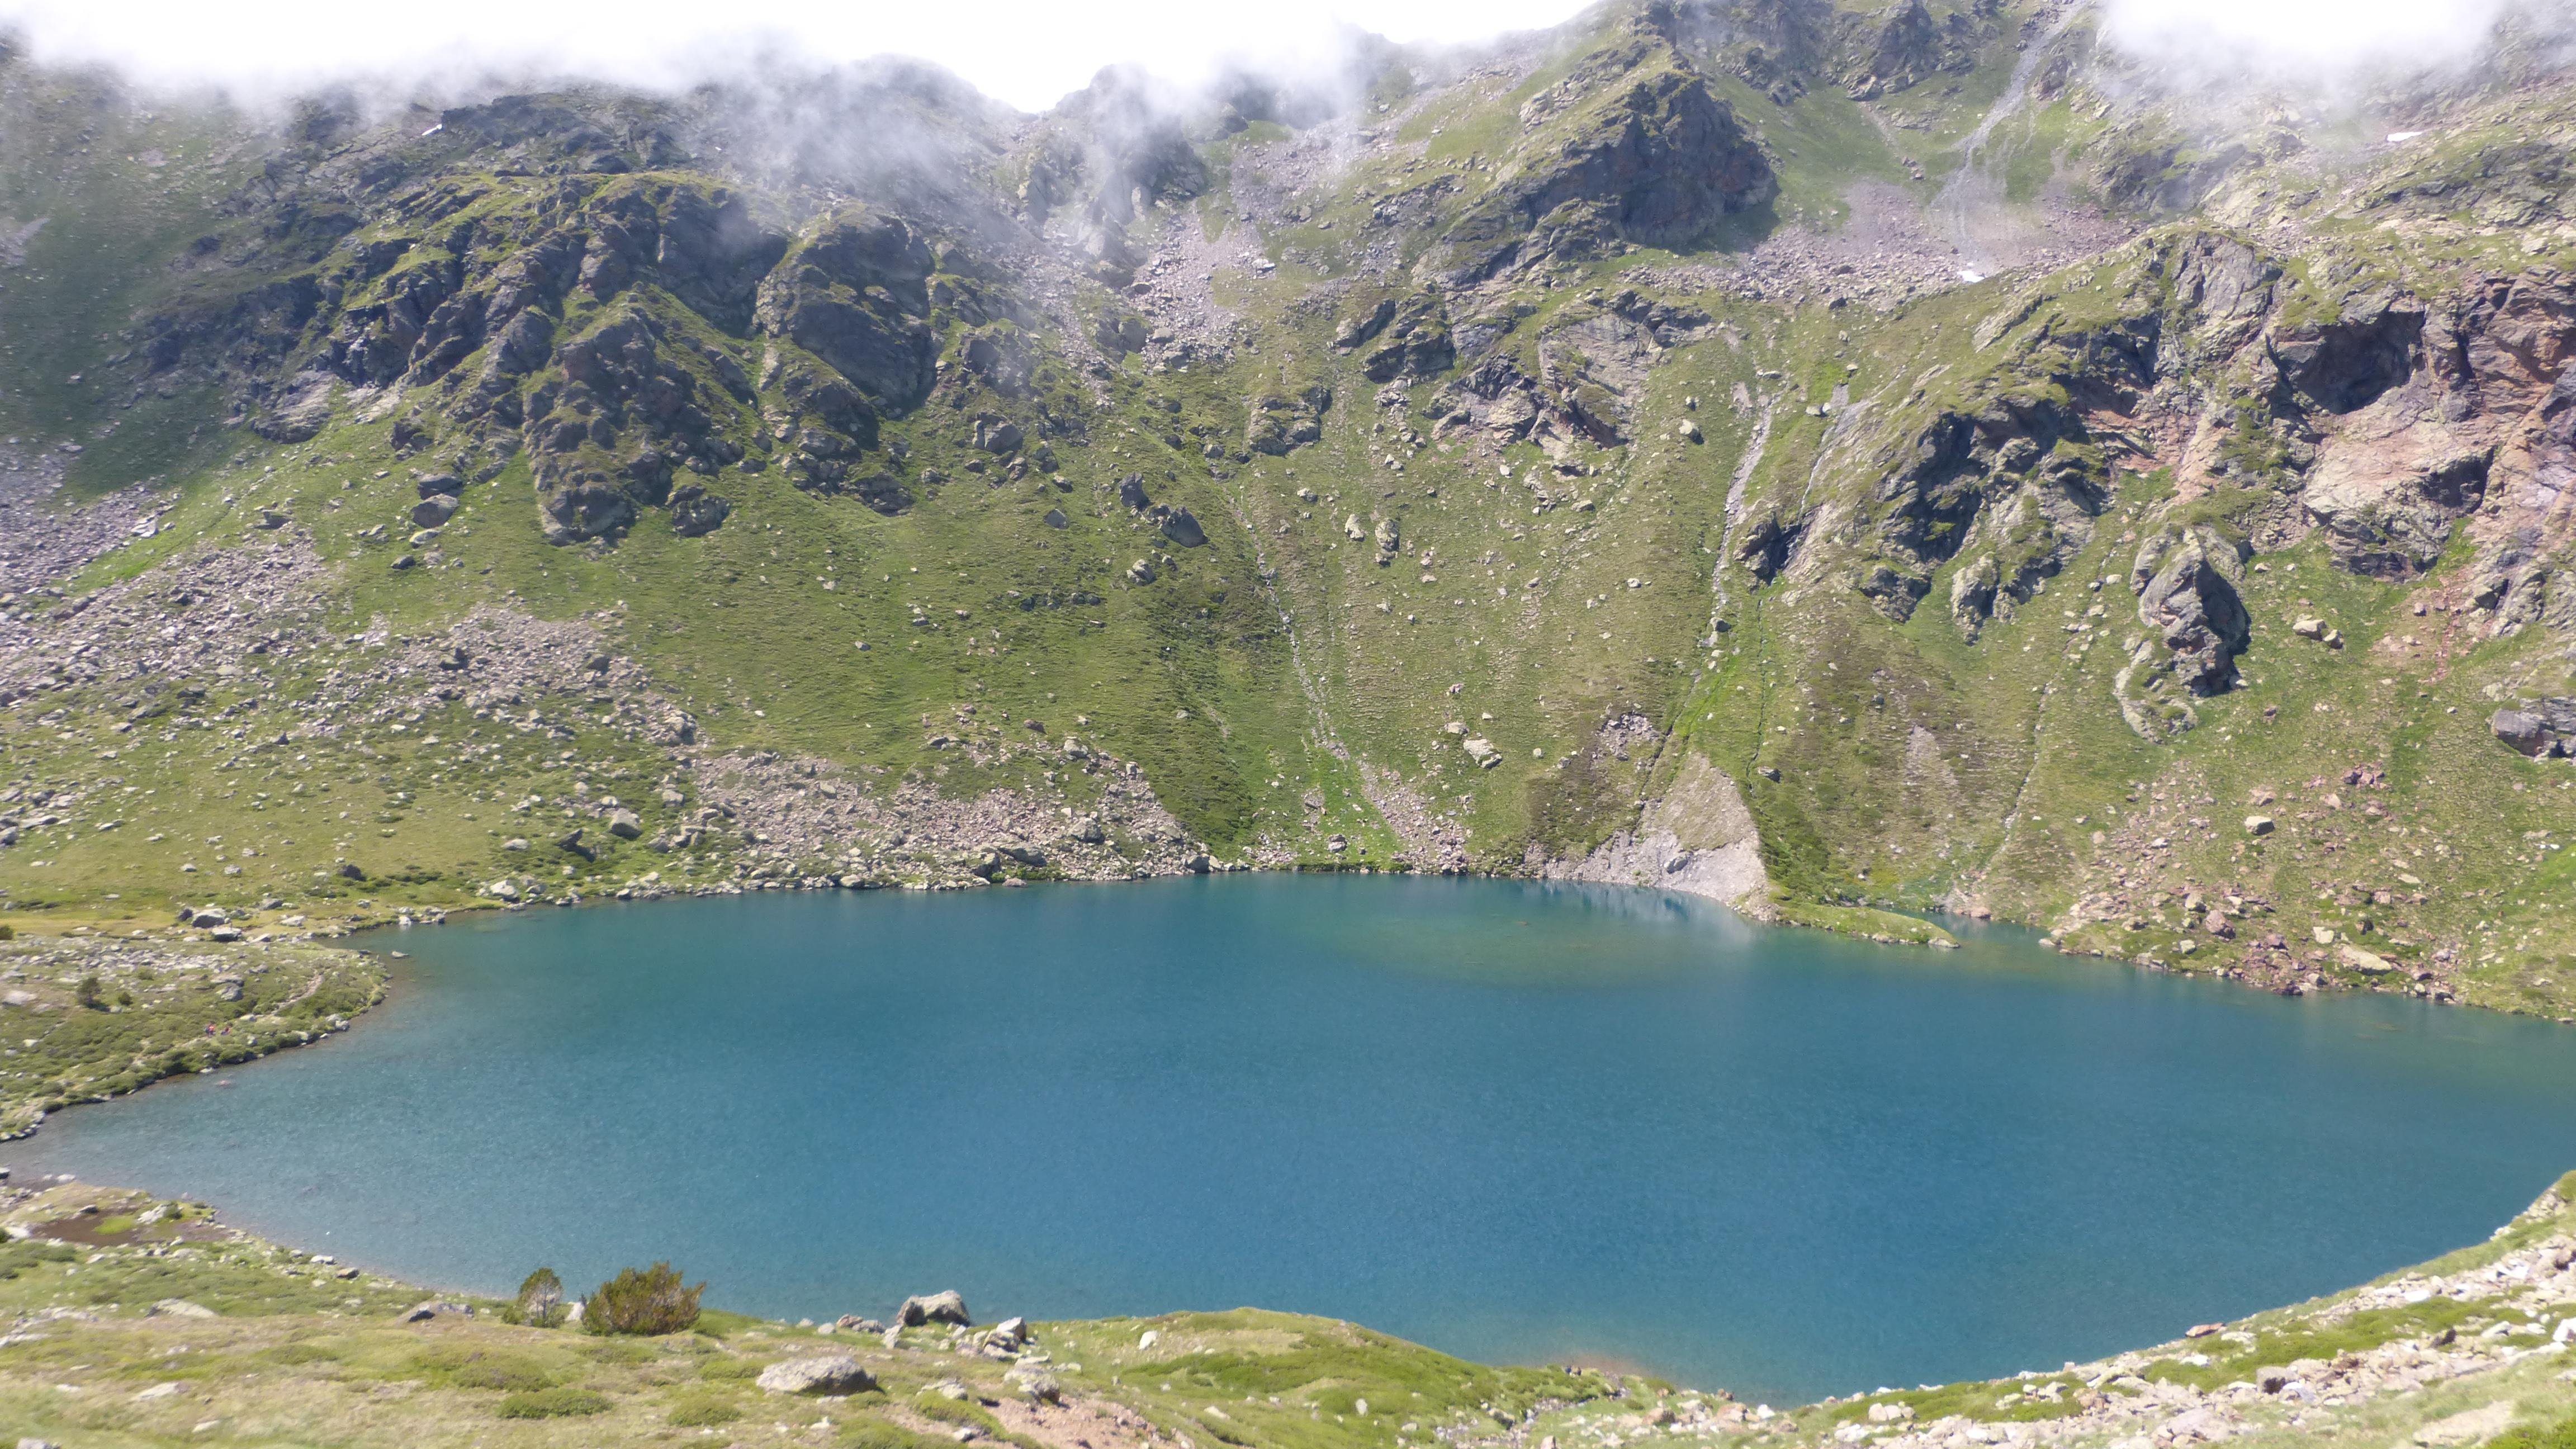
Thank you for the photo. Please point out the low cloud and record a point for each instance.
(2323, 41)
(1027, 53)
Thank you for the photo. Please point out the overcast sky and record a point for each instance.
(1026, 52)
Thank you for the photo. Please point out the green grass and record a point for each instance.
(324, 1361)
(559, 1403)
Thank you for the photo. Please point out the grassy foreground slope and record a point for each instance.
(139, 1322)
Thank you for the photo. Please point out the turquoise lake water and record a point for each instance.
(1519, 1122)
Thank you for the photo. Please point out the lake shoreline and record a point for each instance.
(1580, 937)
(1864, 924)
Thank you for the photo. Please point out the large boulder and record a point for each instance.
(1034, 1383)
(1278, 423)
(856, 294)
(2524, 731)
(995, 433)
(946, 1307)
(585, 505)
(822, 1373)
(695, 511)
(2538, 728)
(2186, 583)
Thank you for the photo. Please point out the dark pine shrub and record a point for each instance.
(647, 1302)
(541, 1301)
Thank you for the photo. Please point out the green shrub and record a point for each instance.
(700, 1410)
(650, 1302)
(87, 993)
(540, 1303)
(553, 1404)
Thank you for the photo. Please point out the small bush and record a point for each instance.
(540, 1303)
(702, 1410)
(553, 1404)
(87, 993)
(650, 1302)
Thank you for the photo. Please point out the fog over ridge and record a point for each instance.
(1029, 53)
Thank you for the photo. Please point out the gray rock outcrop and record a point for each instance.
(822, 1373)
(943, 1307)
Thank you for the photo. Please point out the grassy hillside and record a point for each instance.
(1419, 487)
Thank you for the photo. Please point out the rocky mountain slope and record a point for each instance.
(1848, 458)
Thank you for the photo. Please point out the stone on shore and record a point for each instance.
(947, 1307)
(1035, 1384)
(822, 1373)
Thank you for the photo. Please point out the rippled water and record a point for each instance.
(1515, 1121)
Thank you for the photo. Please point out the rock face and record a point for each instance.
(822, 1373)
(2186, 585)
(1280, 422)
(1412, 340)
(2347, 363)
(854, 293)
(2538, 729)
(1631, 146)
(695, 511)
(2395, 527)
(996, 434)
(1698, 838)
